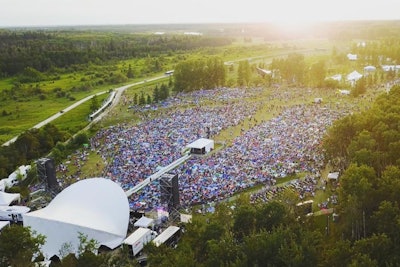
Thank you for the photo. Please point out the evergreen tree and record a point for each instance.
(156, 95)
(164, 92)
(142, 99)
(129, 73)
(244, 73)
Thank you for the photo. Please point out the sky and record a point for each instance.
(103, 12)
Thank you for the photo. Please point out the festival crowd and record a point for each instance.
(272, 149)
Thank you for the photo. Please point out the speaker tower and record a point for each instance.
(169, 188)
(47, 173)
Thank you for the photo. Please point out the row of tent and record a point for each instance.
(12, 213)
(355, 75)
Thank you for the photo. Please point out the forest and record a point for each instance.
(49, 52)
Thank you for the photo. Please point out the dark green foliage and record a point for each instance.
(318, 74)
(142, 99)
(247, 243)
(80, 139)
(94, 104)
(18, 246)
(244, 73)
(130, 73)
(292, 69)
(156, 94)
(192, 75)
(30, 75)
(360, 87)
(367, 145)
(44, 51)
(32, 144)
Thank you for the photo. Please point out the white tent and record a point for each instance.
(97, 208)
(144, 222)
(354, 77)
(333, 176)
(4, 224)
(336, 77)
(7, 198)
(369, 68)
(201, 146)
(165, 235)
(351, 57)
(344, 92)
(13, 213)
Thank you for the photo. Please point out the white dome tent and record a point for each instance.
(97, 208)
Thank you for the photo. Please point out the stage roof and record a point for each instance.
(95, 207)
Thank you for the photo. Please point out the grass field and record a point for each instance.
(26, 111)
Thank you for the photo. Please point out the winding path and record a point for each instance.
(118, 90)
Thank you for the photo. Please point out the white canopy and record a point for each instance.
(7, 198)
(333, 175)
(144, 222)
(354, 76)
(97, 208)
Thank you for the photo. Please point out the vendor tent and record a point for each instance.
(336, 77)
(144, 222)
(353, 77)
(7, 198)
(96, 208)
(333, 176)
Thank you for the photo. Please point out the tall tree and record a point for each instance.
(94, 104)
(244, 73)
(318, 73)
(130, 73)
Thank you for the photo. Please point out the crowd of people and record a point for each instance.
(269, 150)
(285, 145)
(135, 152)
(303, 188)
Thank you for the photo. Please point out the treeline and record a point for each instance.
(248, 235)
(160, 93)
(365, 147)
(191, 75)
(36, 143)
(45, 51)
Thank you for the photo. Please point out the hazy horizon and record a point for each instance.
(25, 13)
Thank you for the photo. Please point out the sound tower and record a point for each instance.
(169, 188)
(47, 173)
